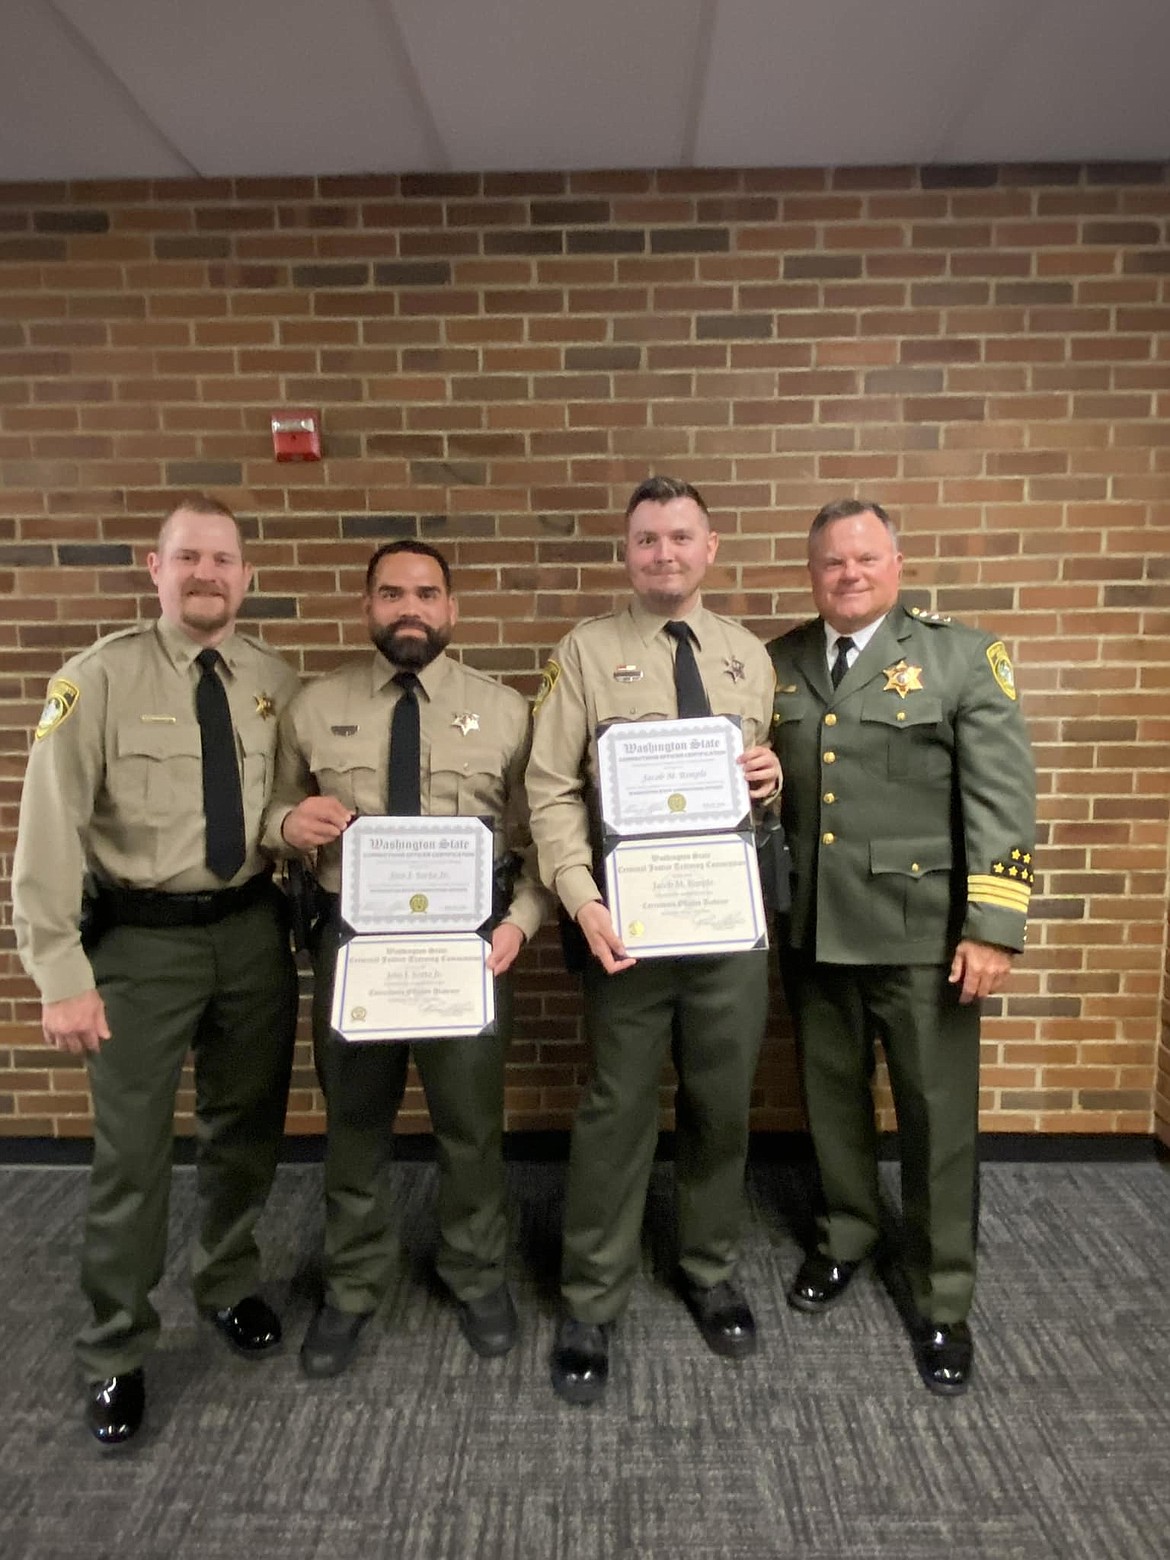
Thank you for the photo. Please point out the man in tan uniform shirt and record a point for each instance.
(708, 1012)
(176, 956)
(335, 758)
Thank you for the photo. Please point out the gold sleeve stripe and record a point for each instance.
(986, 890)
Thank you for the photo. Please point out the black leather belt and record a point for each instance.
(114, 906)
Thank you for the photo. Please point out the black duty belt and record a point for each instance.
(114, 906)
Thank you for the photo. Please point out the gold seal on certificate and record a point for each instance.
(671, 776)
(395, 987)
(675, 896)
(416, 874)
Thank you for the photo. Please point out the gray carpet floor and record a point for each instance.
(825, 1446)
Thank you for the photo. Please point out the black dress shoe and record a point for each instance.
(489, 1324)
(251, 1326)
(331, 1340)
(944, 1353)
(115, 1408)
(724, 1318)
(580, 1361)
(820, 1283)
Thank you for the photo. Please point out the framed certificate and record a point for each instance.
(671, 776)
(391, 987)
(675, 896)
(416, 874)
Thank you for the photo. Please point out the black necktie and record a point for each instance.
(841, 665)
(688, 685)
(405, 750)
(223, 802)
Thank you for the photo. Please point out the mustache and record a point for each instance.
(202, 590)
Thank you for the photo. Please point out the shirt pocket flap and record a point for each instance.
(158, 739)
(474, 753)
(338, 755)
(910, 858)
(918, 710)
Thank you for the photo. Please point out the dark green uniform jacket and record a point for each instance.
(909, 792)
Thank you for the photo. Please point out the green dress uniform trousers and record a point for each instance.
(228, 992)
(363, 1083)
(708, 1012)
(931, 1043)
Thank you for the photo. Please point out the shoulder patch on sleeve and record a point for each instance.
(63, 696)
(1001, 668)
(548, 681)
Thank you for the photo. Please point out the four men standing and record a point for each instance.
(909, 804)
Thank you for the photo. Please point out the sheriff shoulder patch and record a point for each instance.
(63, 695)
(1001, 668)
(548, 681)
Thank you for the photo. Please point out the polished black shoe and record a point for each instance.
(944, 1353)
(723, 1317)
(580, 1361)
(820, 1283)
(115, 1408)
(331, 1340)
(489, 1324)
(251, 1326)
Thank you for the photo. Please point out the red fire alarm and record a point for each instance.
(296, 435)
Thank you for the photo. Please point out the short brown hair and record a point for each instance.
(845, 509)
(663, 490)
(198, 504)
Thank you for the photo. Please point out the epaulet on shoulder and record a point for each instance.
(486, 677)
(935, 619)
(119, 634)
(261, 645)
(602, 617)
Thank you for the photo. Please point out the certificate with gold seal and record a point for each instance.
(673, 897)
(671, 776)
(416, 874)
(394, 987)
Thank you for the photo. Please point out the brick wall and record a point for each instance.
(498, 360)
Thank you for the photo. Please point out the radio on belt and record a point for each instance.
(296, 435)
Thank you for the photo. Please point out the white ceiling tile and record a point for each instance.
(265, 88)
(1080, 81)
(842, 82)
(536, 84)
(61, 114)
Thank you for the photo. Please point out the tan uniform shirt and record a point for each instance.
(621, 667)
(335, 741)
(115, 784)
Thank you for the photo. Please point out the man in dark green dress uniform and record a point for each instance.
(909, 806)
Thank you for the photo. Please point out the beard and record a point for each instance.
(410, 652)
(204, 609)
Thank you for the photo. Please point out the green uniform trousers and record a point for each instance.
(228, 992)
(710, 1012)
(363, 1084)
(931, 1044)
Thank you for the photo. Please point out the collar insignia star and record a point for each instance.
(735, 669)
(466, 722)
(264, 706)
(902, 679)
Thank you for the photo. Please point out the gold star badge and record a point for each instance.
(264, 706)
(466, 722)
(1016, 854)
(902, 679)
(735, 669)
